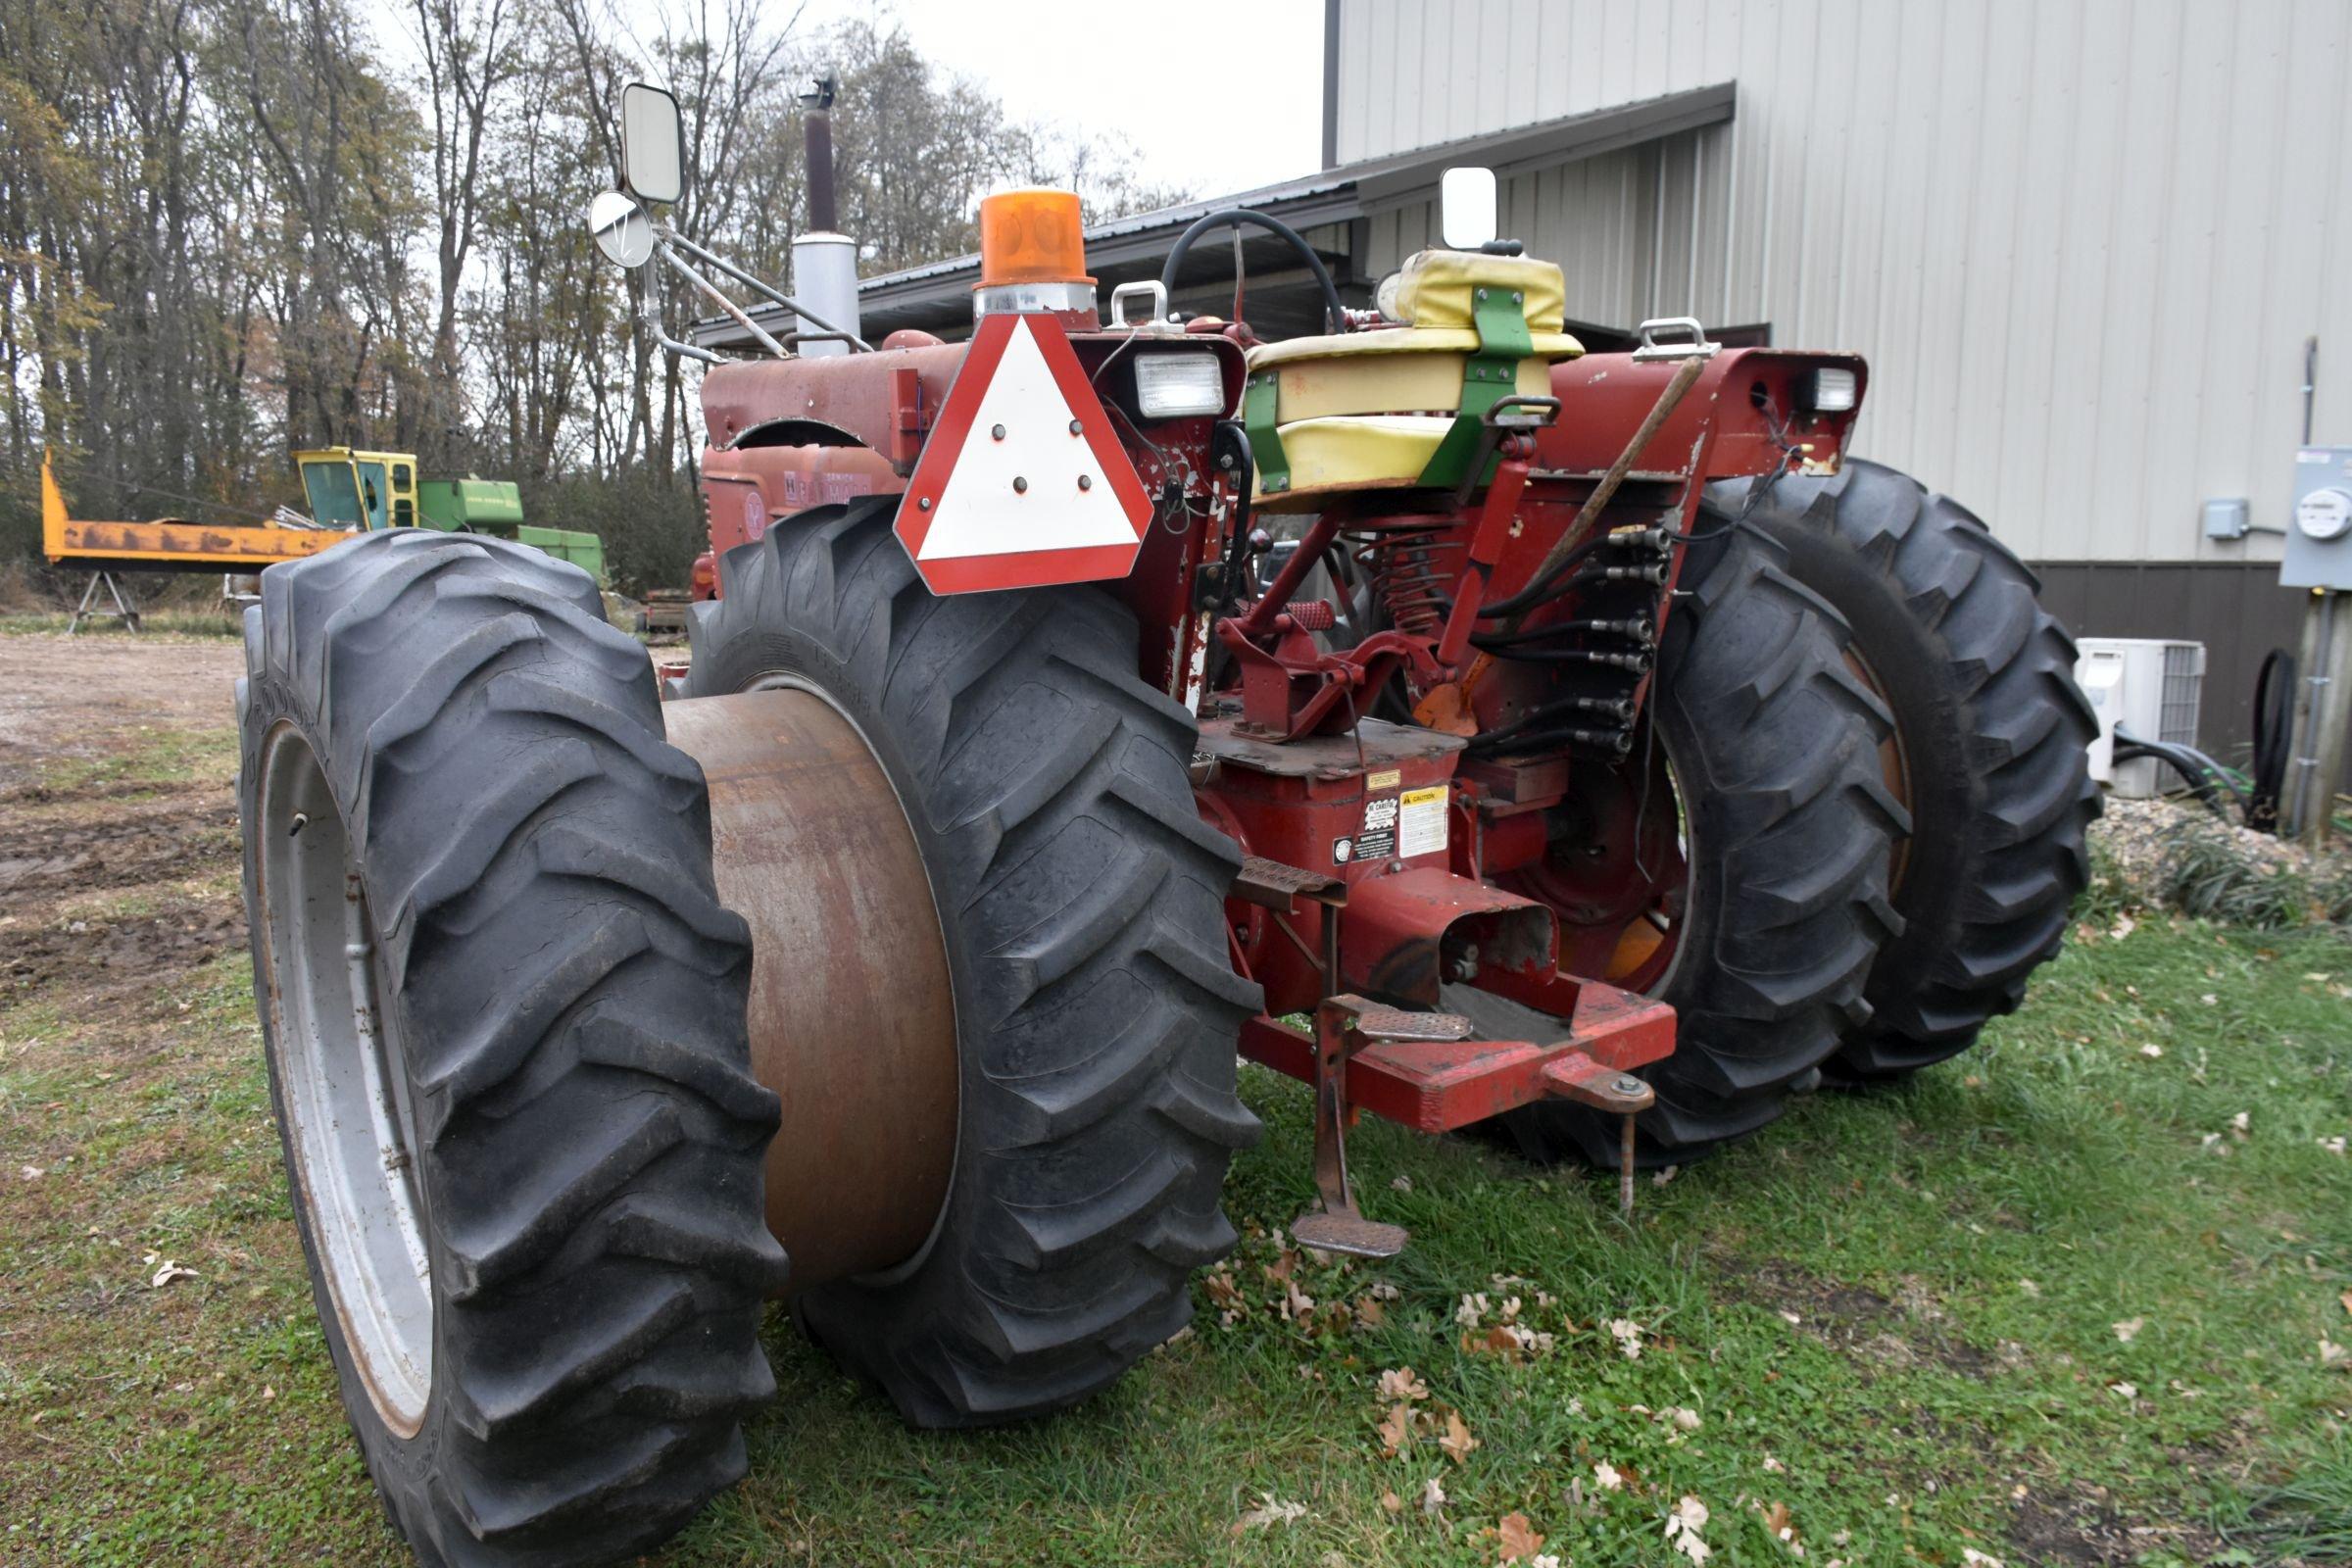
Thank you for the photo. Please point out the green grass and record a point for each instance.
(1892, 1317)
(166, 623)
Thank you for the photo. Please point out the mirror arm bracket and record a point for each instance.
(776, 296)
(650, 315)
(718, 297)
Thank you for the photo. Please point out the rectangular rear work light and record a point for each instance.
(1171, 386)
(1827, 390)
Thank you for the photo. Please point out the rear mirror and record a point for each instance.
(1466, 208)
(621, 230)
(653, 147)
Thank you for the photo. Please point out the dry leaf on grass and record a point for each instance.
(1628, 1335)
(1402, 1383)
(1369, 1312)
(1682, 1525)
(1432, 1496)
(1391, 1503)
(1516, 1538)
(168, 1273)
(2128, 1329)
(1397, 1431)
(2331, 1352)
(1605, 1475)
(1781, 1523)
(1269, 1511)
(1457, 1441)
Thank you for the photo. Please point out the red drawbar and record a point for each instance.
(1436, 1088)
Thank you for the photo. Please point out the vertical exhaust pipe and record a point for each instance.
(824, 261)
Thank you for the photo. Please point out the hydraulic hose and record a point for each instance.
(1237, 216)
(2206, 777)
(2274, 719)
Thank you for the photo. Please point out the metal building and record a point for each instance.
(2087, 245)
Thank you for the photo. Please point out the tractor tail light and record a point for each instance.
(1829, 389)
(1170, 386)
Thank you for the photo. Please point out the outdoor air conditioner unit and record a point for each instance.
(2151, 686)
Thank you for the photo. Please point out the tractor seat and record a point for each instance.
(1366, 409)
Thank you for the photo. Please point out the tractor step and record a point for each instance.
(1348, 1233)
(1437, 1084)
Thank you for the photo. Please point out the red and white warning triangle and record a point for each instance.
(1022, 482)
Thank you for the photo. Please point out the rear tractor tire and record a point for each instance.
(502, 1013)
(1988, 752)
(1771, 743)
(1079, 903)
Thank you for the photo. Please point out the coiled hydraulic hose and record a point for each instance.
(2274, 719)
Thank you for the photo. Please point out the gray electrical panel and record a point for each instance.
(2319, 533)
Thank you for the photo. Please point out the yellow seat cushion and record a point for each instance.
(1364, 403)
(1354, 452)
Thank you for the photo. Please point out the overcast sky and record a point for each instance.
(1220, 95)
(1251, 118)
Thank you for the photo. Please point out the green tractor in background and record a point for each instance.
(350, 488)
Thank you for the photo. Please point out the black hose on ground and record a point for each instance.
(2274, 723)
(2204, 776)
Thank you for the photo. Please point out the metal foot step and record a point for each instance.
(1351, 1234)
(1405, 1026)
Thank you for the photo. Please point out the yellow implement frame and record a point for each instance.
(169, 544)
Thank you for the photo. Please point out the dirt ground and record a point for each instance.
(88, 806)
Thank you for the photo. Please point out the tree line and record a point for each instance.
(231, 229)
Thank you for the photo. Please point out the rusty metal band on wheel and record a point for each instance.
(853, 1015)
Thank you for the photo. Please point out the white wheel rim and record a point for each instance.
(349, 1125)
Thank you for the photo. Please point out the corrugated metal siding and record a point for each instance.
(2082, 241)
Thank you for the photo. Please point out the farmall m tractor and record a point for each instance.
(1609, 760)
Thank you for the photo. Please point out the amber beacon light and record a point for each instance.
(1033, 256)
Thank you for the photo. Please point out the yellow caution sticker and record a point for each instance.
(1421, 822)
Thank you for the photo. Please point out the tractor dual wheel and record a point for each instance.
(1989, 750)
(1746, 845)
(1077, 901)
(503, 1011)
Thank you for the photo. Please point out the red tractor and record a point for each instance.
(1598, 758)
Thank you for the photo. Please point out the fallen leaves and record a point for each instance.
(1628, 1335)
(1457, 1441)
(1395, 1431)
(1682, 1525)
(1270, 1510)
(2333, 1354)
(2124, 1391)
(1432, 1496)
(1606, 1477)
(1402, 1383)
(166, 1269)
(1516, 1538)
(2128, 1329)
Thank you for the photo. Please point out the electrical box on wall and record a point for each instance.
(2319, 535)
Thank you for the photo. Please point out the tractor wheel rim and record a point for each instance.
(350, 1127)
(1642, 977)
(853, 1015)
